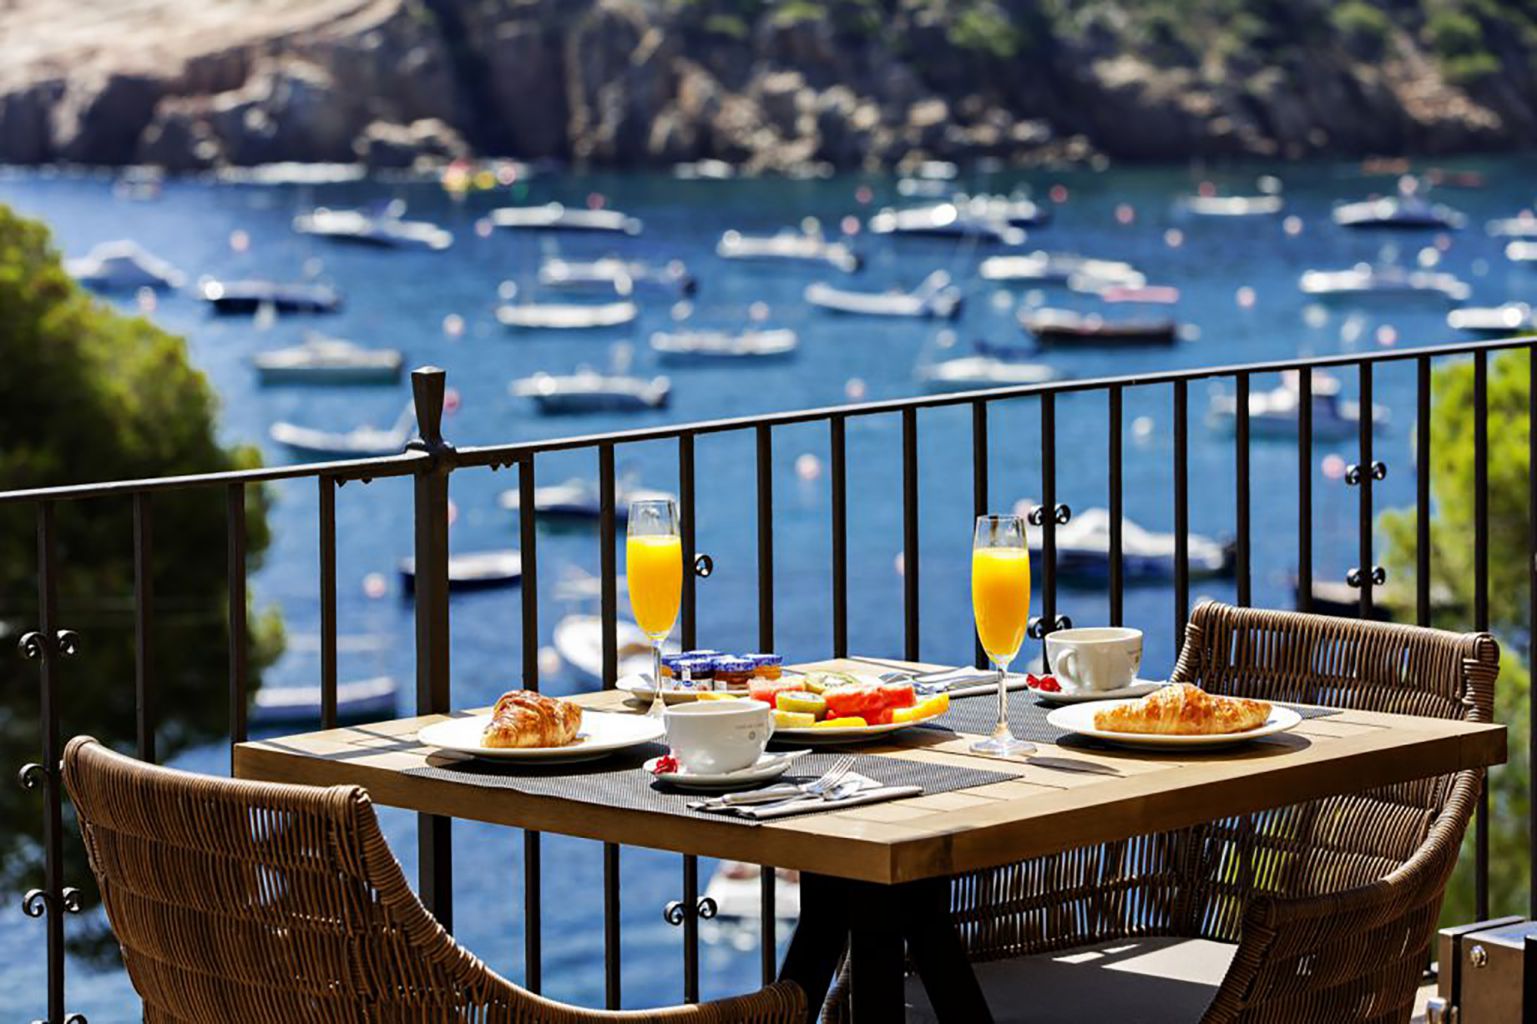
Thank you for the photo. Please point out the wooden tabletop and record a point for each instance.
(1043, 809)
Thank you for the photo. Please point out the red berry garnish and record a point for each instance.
(1049, 684)
(665, 765)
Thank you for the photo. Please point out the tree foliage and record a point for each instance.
(89, 394)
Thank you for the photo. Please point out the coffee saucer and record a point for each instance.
(768, 766)
(1138, 688)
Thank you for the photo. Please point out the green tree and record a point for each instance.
(89, 394)
(1452, 571)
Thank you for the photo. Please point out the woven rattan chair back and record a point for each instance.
(252, 903)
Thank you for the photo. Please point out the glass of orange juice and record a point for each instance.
(654, 573)
(1000, 600)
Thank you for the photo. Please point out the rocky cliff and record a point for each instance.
(191, 84)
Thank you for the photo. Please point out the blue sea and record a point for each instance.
(417, 301)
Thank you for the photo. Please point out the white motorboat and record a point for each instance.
(788, 246)
(1407, 212)
(578, 639)
(1055, 268)
(588, 390)
(612, 275)
(1233, 206)
(1070, 327)
(123, 266)
(946, 220)
(704, 170)
(322, 360)
(1276, 413)
(473, 570)
(934, 297)
(557, 217)
(385, 231)
(1493, 321)
(1394, 282)
(357, 700)
(1083, 551)
(241, 298)
(736, 890)
(682, 347)
(1523, 225)
(1015, 210)
(1521, 251)
(580, 498)
(567, 316)
(966, 373)
(356, 443)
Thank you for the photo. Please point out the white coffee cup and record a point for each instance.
(1094, 659)
(710, 737)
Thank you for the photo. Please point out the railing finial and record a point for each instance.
(428, 390)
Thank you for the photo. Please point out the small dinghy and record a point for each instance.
(1521, 251)
(684, 347)
(967, 373)
(357, 700)
(1233, 206)
(322, 360)
(356, 443)
(1070, 327)
(385, 231)
(1392, 282)
(1083, 551)
(788, 246)
(566, 316)
(557, 217)
(1493, 321)
(1015, 211)
(704, 170)
(1276, 413)
(123, 266)
(588, 390)
(578, 639)
(239, 298)
(945, 220)
(472, 570)
(1523, 225)
(1402, 213)
(580, 499)
(1055, 268)
(934, 297)
(610, 275)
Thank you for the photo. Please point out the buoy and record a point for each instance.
(863, 195)
(1333, 466)
(375, 585)
(453, 325)
(1292, 225)
(1245, 297)
(1174, 238)
(808, 467)
(1125, 213)
(1058, 193)
(483, 228)
(850, 225)
(239, 241)
(1142, 428)
(854, 388)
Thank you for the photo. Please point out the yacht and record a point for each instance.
(579, 641)
(1521, 251)
(1523, 225)
(567, 316)
(1056, 268)
(237, 298)
(1234, 206)
(1391, 282)
(946, 220)
(580, 499)
(611, 274)
(386, 231)
(1276, 413)
(1493, 321)
(788, 246)
(556, 217)
(1016, 211)
(588, 390)
(356, 443)
(357, 700)
(684, 347)
(1407, 212)
(1083, 551)
(472, 570)
(1070, 327)
(123, 266)
(322, 360)
(935, 297)
(967, 373)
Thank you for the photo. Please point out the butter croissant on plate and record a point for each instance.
(1181, 709)
(523, 718)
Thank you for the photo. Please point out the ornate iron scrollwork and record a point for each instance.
(32, 645)
(673, 913)
(30, 776)
(1353, 473)
(35, 903)
(704, 565)
(1037, 630)
(707, 908)
(676, 911)
(67, 642)
(71, 899)
(1379, 576)
(1061, 514)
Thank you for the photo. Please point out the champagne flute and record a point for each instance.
(1000, 600)
(654, 570)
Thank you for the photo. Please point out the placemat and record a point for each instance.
(621, 781)
(1027, 716)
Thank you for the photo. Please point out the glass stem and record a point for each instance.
(1002, 728)
(657, 703)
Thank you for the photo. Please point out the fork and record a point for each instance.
(786, 792)
(821, 787)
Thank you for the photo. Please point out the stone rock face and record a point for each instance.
(395, 83)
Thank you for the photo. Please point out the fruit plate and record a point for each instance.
(602, 733)
(1139, 688)
(821, 735)
(1079, 718)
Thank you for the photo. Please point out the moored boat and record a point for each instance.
(322, 360)
(948, 220)
(123, 265)
(1393, 282)
(680, 347)
(1407, 212)
(385, 231)
(579, 641)
(1055, 268)
(1083, 551)
(566, 316)
(1493, 321)
(613, 275)
(558, 217)
(356, 443)
(235, 298)
(788, 246)
(934, 297)
(357, 700)
(1233, 206)
(966, 373)
(1276, 413)
(580, 499)
(590, 391)
(472, 570)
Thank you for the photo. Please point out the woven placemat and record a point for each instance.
(1027, 716)
(620, 780)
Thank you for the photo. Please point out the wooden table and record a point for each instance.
(877, 874)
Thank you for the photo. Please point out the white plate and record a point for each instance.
(769, 766)
(1140, 688)
(602, 733)
(1079, 718)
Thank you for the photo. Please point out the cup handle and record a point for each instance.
(1066, 662)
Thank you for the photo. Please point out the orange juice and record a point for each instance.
(1000, 599)
(654, 568)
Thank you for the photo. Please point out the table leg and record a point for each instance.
(876, 965)
(819, 939)
(937, 954)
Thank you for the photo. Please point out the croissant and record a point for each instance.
(1184, 710)
(523, 718)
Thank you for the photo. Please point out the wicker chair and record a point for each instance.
(252, 903)
(1321, 911)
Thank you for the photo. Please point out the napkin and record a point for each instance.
(869, 792)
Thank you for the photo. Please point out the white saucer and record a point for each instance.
(769, 766)
(1080, 720)
(1138, 688)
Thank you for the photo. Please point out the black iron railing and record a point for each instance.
(431, 460)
